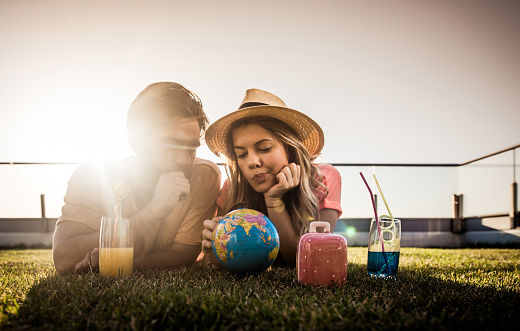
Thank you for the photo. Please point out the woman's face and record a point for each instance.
(260, 156)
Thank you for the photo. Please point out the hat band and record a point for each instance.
(252, 104)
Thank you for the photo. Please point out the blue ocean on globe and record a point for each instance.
(245, 241)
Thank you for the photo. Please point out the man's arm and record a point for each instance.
(186, 244)
(71, 243)
(74, 240)
(74, 245)
(76, 232)
(178, 255)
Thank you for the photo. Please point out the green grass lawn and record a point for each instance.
(435, 289)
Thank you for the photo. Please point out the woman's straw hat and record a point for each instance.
(262, 103)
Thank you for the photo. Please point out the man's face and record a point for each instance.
(171, 146)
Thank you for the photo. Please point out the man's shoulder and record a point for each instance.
(105, 168)
(206, 165)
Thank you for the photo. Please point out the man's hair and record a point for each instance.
(159, 102)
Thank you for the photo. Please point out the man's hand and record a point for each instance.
(90, 262)
(170, 187)
(288, 178)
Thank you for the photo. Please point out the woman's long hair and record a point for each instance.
(301, 202)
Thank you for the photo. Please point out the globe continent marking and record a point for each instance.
(253, 223)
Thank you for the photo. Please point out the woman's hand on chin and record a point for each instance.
(288, 178)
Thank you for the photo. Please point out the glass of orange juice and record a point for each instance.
(116, 248)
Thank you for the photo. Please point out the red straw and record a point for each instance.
(375, 213)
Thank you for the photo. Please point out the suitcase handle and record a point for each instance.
(325, 225)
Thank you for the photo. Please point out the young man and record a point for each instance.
(170, 192)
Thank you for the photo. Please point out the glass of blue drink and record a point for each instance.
(384, 244)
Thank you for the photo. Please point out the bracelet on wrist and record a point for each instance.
(276, 206)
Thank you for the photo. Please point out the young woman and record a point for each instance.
(270, 149)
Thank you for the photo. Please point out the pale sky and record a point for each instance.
(388, 81)
(402, 81)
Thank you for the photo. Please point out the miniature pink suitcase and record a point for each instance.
(322, 257)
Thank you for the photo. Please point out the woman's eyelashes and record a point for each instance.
(259, 150)
(264, 150)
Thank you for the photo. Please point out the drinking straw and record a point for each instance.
(377, 222)
(382, 195)
(120, 192)
(392, 225)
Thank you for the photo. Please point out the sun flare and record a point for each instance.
(80, 125)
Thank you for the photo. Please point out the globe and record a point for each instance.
(245, 241)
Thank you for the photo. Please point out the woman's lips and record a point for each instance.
(259, 177)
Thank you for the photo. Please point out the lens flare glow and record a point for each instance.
(350, 231)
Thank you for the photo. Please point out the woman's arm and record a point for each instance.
(331, 216)
(288, 178)
(288, 236)
(281, 219)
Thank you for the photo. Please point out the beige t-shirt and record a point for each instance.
(89, 197)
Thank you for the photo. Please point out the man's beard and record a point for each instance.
(185, 169)
(155, 170)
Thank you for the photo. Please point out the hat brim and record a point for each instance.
(307, 129)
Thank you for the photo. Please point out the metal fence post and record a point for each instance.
(513, 215)
(44, 216)
(458, 224)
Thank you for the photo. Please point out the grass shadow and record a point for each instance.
(193, 298)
